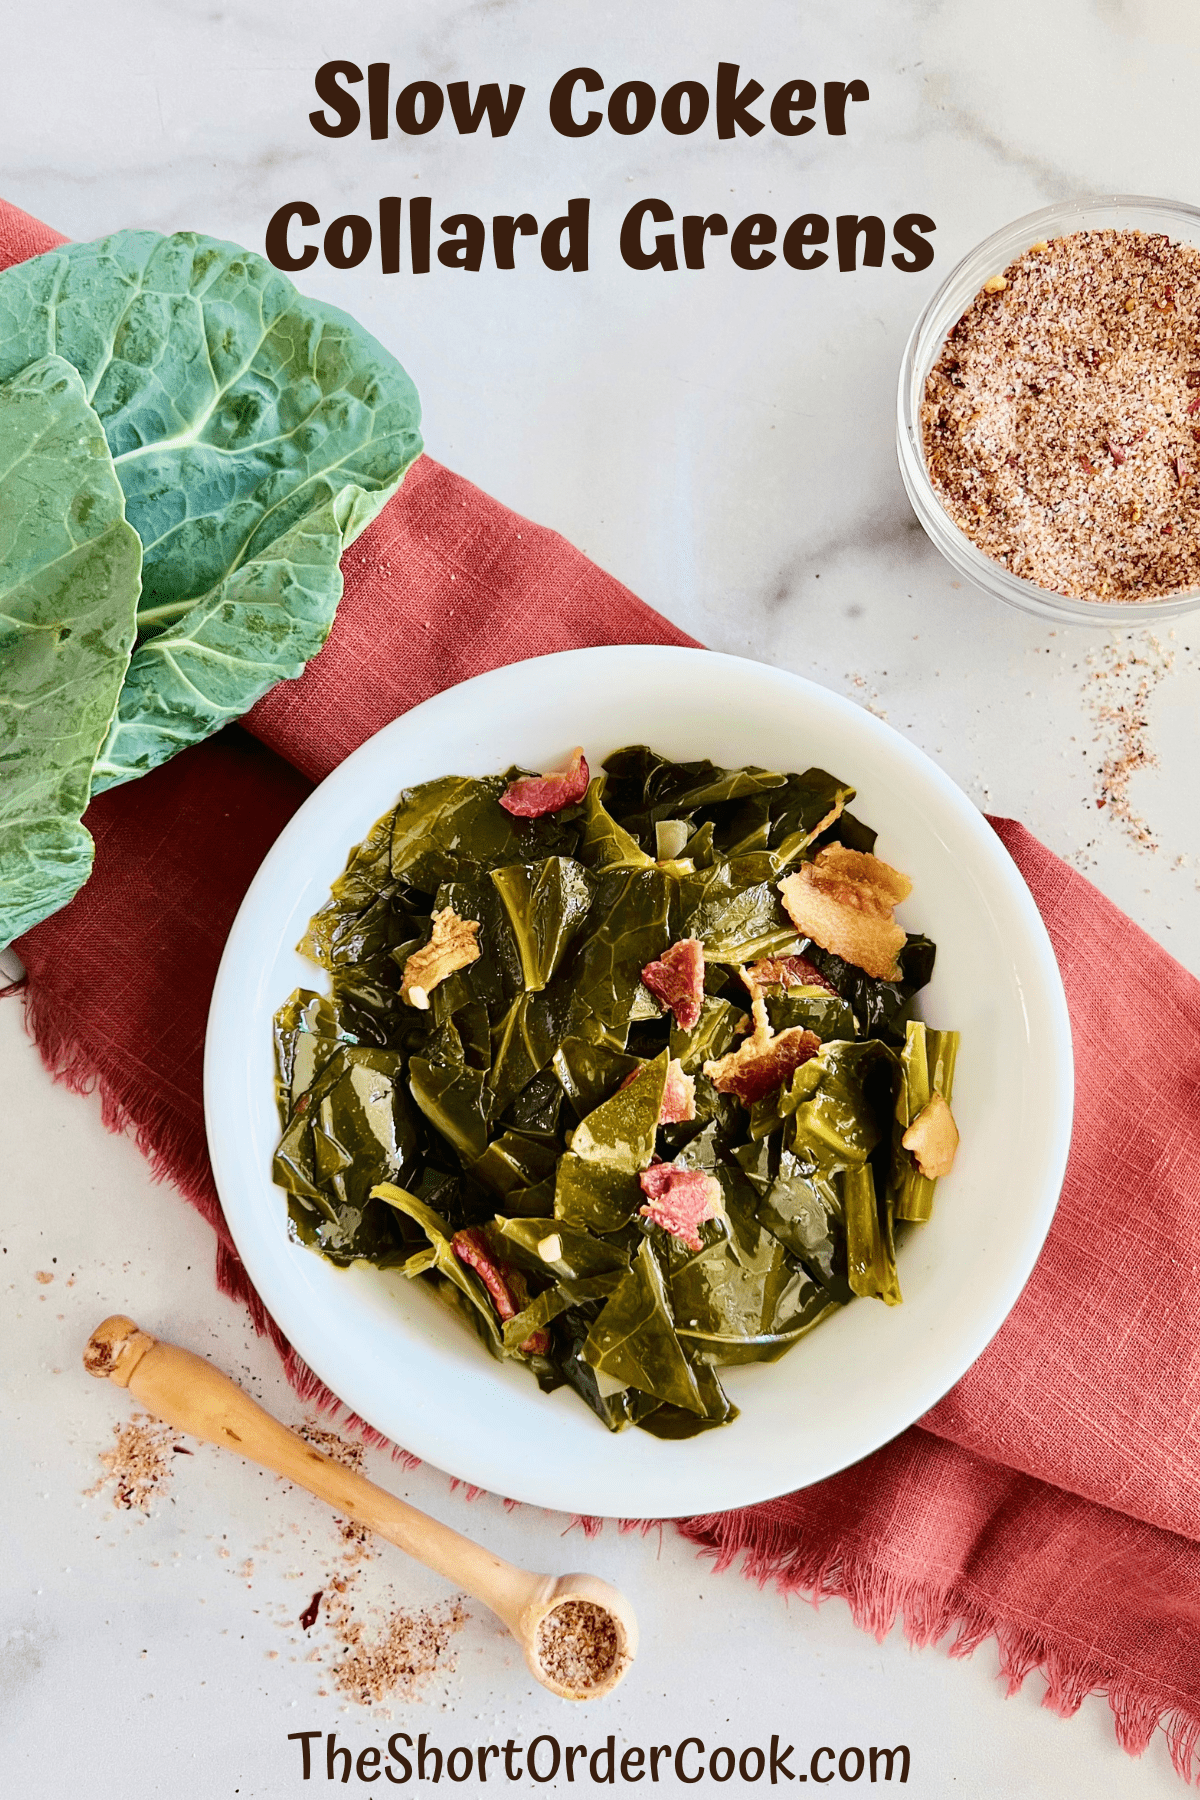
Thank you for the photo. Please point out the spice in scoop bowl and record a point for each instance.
(1049, 414)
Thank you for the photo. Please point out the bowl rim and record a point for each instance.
(707, 1485)
(925, 342)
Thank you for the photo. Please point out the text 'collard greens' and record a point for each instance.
(581, 1074)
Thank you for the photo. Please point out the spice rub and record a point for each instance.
(1061, 422)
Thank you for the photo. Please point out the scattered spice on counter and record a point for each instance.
(1057, 419)
(577, 1644)
(45, 1276)
(400, 1658)
(1123, 674)
(137, 1465)
(346, 1451)
(308, 1617)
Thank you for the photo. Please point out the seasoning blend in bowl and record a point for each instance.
(1049, 412)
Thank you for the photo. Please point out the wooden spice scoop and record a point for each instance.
(578, 1633)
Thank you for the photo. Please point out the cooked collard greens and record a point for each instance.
(589, 1069)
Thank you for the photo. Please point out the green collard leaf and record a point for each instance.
(620, 1133)
(69, 583)
(835, 1118)
(555, 1301)
(255, 433)
(633, 1342)
(457, 1102)
(742, 1298)
(811, 1008)
(588, 1073)
(524, 1041)
(603, 843)
(515, 1160)
(710, 1037)
(594, 1195)
(448, 826)
(307, 1033)
(802, 1207)
(881, 1007)
(546, 904)
(675, 1422)
(627, 928)
(579, 1252)
(871, 1254)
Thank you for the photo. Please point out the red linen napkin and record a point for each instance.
(1052, 1500)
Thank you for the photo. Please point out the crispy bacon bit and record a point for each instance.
(1193, 378)
(844, 901)
(532, 796)
(679, 1094)
(785, 972)
(932, 1138)
(505, 1285)
(677, 979)
(681, 1200)
(451, 947)
(762, 1062)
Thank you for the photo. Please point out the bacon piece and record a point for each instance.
(762, 1063)
(677, 979)
(681, 1200)
(679, 1094)
(844, 900)
(932, 1138)
(533, 796)
(786, 972)
(505, 1285)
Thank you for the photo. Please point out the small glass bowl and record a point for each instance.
(1122, 212)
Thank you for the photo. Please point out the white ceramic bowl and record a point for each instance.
(392, 1352)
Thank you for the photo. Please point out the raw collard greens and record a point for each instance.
(253, 434)
(69, 567)
(583, 1073)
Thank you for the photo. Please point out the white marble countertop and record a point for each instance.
(723, 442)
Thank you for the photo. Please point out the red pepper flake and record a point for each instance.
(1194, 407)
(1181, 474)
(1168, 531)
(181, 1450)
(1196, 433)
(308, 1617)
(1013, 461)
(1116, 452)
(1086, 466)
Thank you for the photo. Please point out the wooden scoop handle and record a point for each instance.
(191, 1395)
